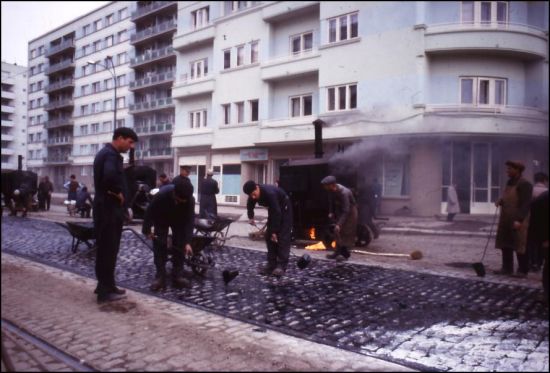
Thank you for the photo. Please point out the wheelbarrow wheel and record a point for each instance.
(219, 240)
(200, 263)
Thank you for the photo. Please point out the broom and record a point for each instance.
(415, 255)
(479, 267)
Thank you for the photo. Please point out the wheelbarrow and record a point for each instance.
(216, 228)
(81, 232)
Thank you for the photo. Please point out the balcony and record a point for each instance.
(67, 64)
(153, 80)
(155, 129)
(7, 137)
(162, 103)
(522, 41)
(151, 9)
(8, 94)
(154, 56)
(291, 66)
(193, 38)
(67, 44)
(57, 159)
(158, 153)
(67, 83)
(7, 122)
(160, 29)
(59, 104)
(8, 151)
(62, 140)
(55, 123)
(188, 88)
(8, 109)
(287, 9)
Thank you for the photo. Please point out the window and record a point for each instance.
(94, 148)
(96, 87)
(107, 105)
(253, 110)
(122, 36)
(95, 107)
(227, 58)
(108, 83)
(95, 127)
(109, 19)
(97, 45)
(108, 41)
(240, 55)
(121, 80)
(84, 149)
(120, 123)
(84, 129)
(300, 106)
(33, 53)
(86, 29)
(199, 69)
(122, 58)
(231, 179)
(200, 17)
(106, 126)
(395, 180)
(197, 119)
(254, 51)
(301, 43)
(226, 113)
(122, 13)
(121, 102)
(84, 90)
(84, 110)
(343, 27)
(240, 111)
(97, 25)
(484, 13)
(342, 97)
(479, 91)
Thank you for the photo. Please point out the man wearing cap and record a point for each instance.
(343, 211)
(208, 205)
(184, 174)
(279, 223)
(172, 207)
(514, 220)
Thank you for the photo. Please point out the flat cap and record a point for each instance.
(210, 172)
(249, 186)
(328, 180)
(185, 167)
(518, 165)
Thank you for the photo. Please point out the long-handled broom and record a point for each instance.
(415, 255)
(479, 267)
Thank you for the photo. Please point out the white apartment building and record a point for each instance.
(72, 91)
(14, 115)
(417, 94)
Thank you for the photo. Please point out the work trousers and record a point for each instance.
(508, 260)
(108, 229)
(160, 253)
(279, 252)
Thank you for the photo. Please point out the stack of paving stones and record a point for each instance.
(424, 321)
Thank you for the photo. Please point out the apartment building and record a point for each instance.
(416, 94)
(74, 103)
(14, 115)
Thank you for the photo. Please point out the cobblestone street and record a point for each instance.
(420, 320)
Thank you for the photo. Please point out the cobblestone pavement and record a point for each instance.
(421, 320)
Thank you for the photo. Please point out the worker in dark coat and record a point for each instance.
(172, 207)
(538, 233)
(514, 221)
(185, 171)
(343, 211)
(279, 223)
(109, 211)
(208, 203)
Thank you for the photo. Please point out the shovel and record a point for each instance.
(479, 267)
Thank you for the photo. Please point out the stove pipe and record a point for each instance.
(19, 163)
(318, 123)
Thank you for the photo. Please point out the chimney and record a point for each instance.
(318, 123)
(19, 163)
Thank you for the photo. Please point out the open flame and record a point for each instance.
(320, 246)
(312, 233)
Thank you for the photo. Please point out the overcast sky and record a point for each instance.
(23, 21)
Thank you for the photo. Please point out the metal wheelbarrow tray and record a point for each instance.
(80, 232)
(216, 228)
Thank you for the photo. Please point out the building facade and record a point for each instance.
(418, 95)
(14, 116)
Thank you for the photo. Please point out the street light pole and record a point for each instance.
(113, 73)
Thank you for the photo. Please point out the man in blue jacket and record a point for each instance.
(172, 207)
(279, 223)
(111, 193)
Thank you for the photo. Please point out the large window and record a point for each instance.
(253, 110)
(226, 113)
(480, 91)
(342, 97)
(395, 176)
(484, 13)
(240, 55)
(240, 111)
(254, 51)
(200, 17)
(197, 119)
(199, 69)
(301, 43)
(227, 58)
(300, 106)
(343, 27)
(231, 179)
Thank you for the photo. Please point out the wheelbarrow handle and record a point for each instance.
(138, 236)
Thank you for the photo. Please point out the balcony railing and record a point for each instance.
(59, 66)
(159, 29)
(59, 85)
(58, 48)
(57, 158)
(59, 122)
(59, 104)
(152, 56)
(152, 105)
(63, 140)
(143, 11)
(504, 110)
(155, 128)
(152, 80)
(159, 152)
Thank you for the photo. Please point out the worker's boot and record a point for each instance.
(159, 283)
(179, 282)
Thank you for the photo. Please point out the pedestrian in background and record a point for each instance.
(163, 180)
(173, 207)
(538, 233)
(111, 193)
(534, 248)
(208, 208)
(343, 211)
(72, 187)
(279, 223)
(453, 207)
(513, 221)
(184, 174)
(45, 190)
(84, 202)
